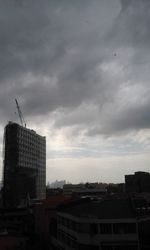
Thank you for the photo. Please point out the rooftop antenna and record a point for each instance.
(22, 121)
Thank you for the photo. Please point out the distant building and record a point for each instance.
(87, 189)
(68, 189)
(108, 224)
(138, 182)
(24, 173)
(116, 188)
(53, 192)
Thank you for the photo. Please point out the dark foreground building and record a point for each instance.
(24, 173)
(94, 225)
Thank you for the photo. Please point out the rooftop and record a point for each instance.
(106, 209)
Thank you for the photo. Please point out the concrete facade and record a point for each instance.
(82, 228)
(24, 165)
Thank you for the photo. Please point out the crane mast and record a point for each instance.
(22, 121)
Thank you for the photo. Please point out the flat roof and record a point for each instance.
(106, 209)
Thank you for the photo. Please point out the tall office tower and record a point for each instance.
(24, 173)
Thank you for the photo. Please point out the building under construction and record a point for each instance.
(24, 173)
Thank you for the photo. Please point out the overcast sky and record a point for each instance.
(81, 73)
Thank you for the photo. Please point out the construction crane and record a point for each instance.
(22, 121)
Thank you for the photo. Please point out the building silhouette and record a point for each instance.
(24, 171)
(138, 182)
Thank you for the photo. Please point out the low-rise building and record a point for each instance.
(87, 189)
(105, 225)
(45, 220)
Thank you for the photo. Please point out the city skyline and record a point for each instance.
(80, 71)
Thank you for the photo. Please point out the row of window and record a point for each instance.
(71, 242)
(30, 141)
(26, 133)
(103, 228)
(30, 147)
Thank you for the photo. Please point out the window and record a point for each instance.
(93, 228)
(105, 228)
(83, 228)
(124, 228)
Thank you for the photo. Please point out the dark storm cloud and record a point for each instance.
(132, 119)
(135, 118)
(57, 41)
(63, 56)
(130, 34)
(132, 24)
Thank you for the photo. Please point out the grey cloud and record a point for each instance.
(133, 119)
(53, 54)
(51, 39)
(133, 116)
(132, 25)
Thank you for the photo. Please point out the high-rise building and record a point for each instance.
(24, 173)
